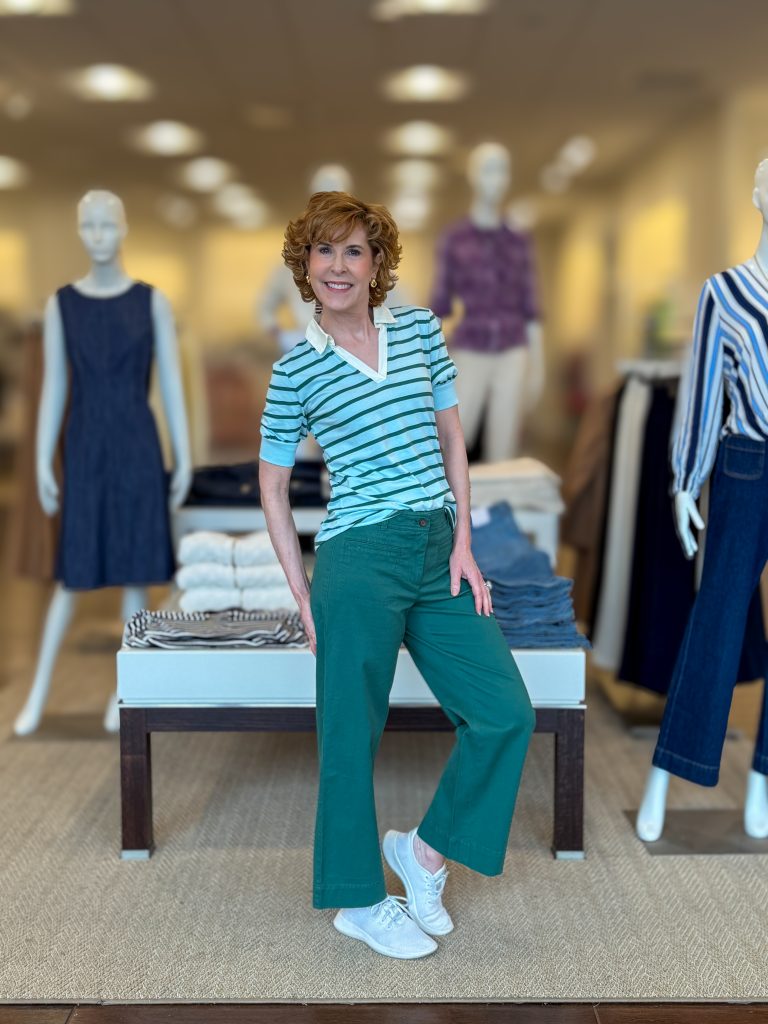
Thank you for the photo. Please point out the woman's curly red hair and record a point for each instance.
(331, 217)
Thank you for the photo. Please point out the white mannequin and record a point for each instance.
(489, 171)
(650, 817)
(102, 227)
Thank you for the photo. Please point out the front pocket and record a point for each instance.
(744, 462)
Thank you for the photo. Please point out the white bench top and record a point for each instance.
(285, 677)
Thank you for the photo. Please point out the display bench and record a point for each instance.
(272, 688)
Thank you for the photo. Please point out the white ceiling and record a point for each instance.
(624, 71)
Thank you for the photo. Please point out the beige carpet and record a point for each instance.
(222, 911)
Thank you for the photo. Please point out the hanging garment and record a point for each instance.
(696, 715)
(662, 578)
(611, 618)
(491, 270)
(585, 493)
(115, 528)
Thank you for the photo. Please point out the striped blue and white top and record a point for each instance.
(376, 428)
(729, 358)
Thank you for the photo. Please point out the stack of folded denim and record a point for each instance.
(532, 606)
(219, 572)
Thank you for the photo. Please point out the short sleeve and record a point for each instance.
(442, 367)
(283, 422)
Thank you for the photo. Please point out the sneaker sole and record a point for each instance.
(389, 850)
(351, 930)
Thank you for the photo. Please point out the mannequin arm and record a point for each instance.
(53, 400)
(686, 513)
(167, 353)
(536, 373)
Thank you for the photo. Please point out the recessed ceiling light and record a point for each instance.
(13, 173)
(414, 175)
(425, 83)
(37, 7)
(18, 106)
(554, 179)
(391, 10)
(419, 138)
(206, 174)
(268, 117)
(234, 199)
(411, 212)
(241, 206)
(177, 210)
(167, 138)
(110, 83)
(577, 153)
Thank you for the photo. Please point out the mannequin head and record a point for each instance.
(760, 191)
(101, 225)
(489, 171)
(331, 178)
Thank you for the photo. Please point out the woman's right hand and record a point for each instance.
(309, 623)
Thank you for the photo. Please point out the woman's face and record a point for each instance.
(340, 272)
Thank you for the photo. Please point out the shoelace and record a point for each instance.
(435, 885)
(391, 911)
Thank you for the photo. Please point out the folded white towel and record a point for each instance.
(206, 574)
(206, 546)
(259, 576)
(210, 599)
(268, 598)
(254, 549)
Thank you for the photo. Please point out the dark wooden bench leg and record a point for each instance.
(136, 784)
(568, 841)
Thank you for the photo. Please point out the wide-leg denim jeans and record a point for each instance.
(375, 587)
(695, 720)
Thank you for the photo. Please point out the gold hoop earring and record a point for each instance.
(373, 282)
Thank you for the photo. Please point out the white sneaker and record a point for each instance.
(424, 890)
(387, 928)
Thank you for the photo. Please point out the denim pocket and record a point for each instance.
(744, 458)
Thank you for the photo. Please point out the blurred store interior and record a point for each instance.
(634, 130)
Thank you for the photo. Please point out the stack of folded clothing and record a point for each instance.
(532, 606)
(234, 628)
(524, 483)
(220, 572)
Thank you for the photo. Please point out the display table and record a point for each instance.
(273, 688)
(541, 527)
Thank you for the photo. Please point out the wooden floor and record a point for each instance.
(392, 1013)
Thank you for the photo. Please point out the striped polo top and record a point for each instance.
(729, 358)
(376, 428)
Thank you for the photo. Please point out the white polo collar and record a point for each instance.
(318, 338)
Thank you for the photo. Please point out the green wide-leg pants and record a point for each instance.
(374, 588)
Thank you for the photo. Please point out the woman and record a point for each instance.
(394, 565)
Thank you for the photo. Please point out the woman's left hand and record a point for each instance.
(463, 565)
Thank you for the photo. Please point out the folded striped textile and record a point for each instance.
(173, 630)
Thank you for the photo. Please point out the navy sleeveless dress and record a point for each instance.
(115, 528)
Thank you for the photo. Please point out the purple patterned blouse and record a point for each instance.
(491, 271)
